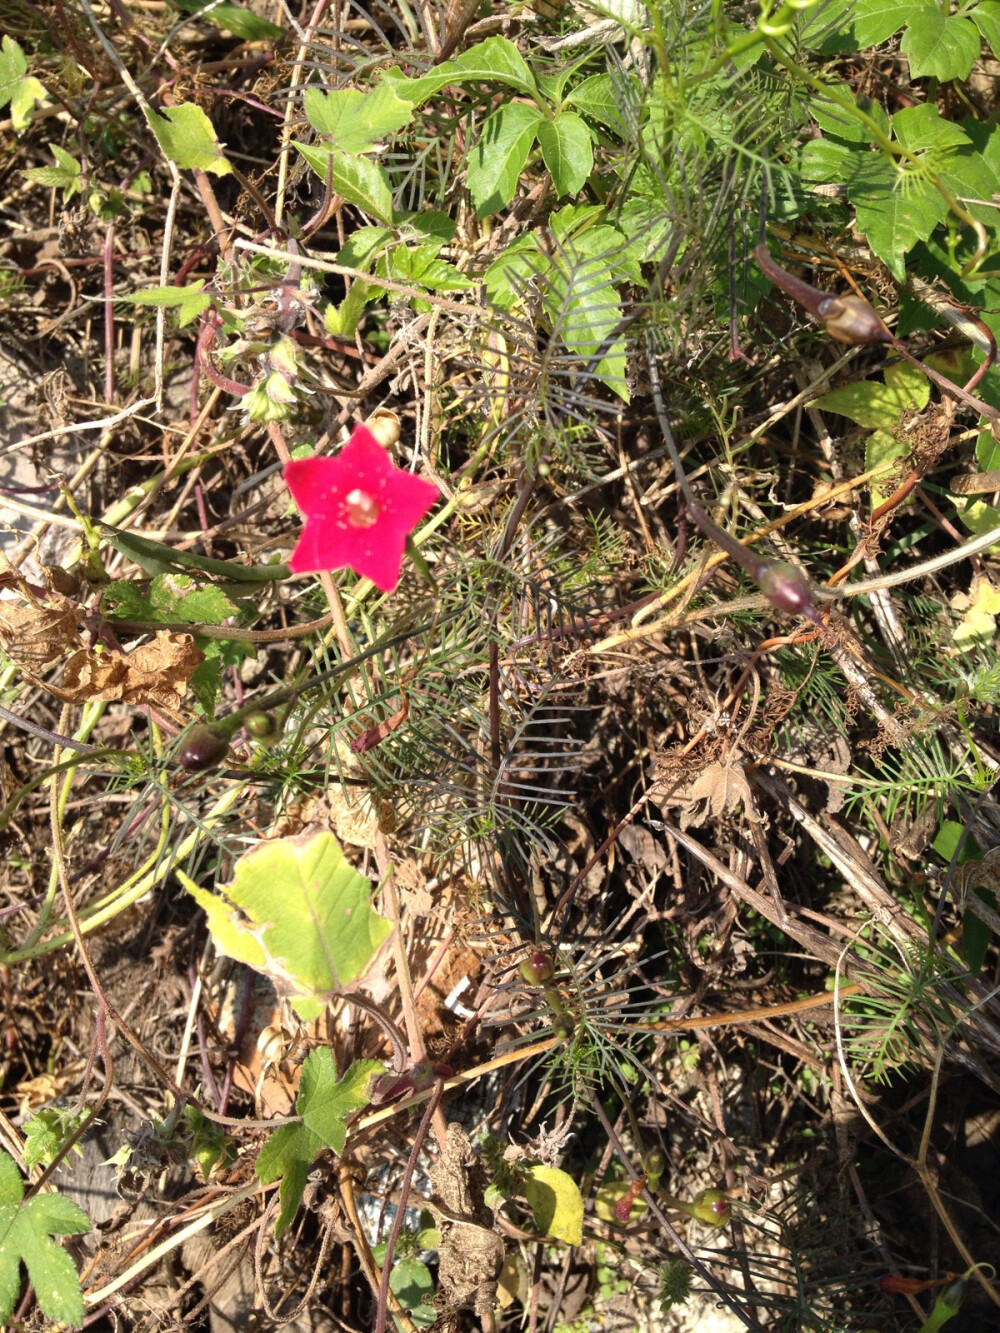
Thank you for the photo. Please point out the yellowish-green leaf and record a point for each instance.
(883, 448)
(187, 139)
(979, 608)
(879, 406)
(228, 930)
(556, 1203)
(299, 912)
(353, 121)
(978, 516)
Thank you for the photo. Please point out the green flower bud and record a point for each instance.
(271, 400)
(263, 727)
(283, 358)
(537, 968)
(654, 1163)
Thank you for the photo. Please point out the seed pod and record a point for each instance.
(204, 746)
(263, 727)
(711, 1207)
(385, 425)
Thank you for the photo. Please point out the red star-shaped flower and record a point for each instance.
(359, 510)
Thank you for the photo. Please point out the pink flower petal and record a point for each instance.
(321, 488)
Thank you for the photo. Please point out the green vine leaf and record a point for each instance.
(299, 912)
(940, 46)
(353, 121)
(585, 308)
(26, 1231)
(187, 139)
(170, 597)
(876, 20)
(986, 17)
(879, 406)
(411, 1281)
(65, 176)
(16, 85)
(47, 1131)
(496, 162)
(248, 27)
(567, 151)
(189, 301)
(980, 608)
(595, 97)
(359, 180)
(324, 1102)
(419, 266)
(497, 60)
(893, 211)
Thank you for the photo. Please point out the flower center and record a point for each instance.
(362, 509)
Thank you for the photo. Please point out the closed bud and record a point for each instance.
(850, 319)
(204, 746)
(537, 968)
(654, 1163)
(263, 727)
(950, 1299)
(282, 357)
(787, 588)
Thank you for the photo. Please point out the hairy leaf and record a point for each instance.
(26, 1231)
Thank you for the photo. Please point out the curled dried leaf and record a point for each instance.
(36, 636)
(156, 673)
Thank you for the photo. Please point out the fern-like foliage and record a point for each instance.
(809, 1267)
(904, 1021)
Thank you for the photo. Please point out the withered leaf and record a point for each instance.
(34, 636)
(471, 1252)
(711, 794)
(157, 673)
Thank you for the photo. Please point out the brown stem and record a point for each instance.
(108, 259)
(404, 1191)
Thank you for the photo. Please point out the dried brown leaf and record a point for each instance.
(710, 794)
(157, 673)
(471, 1252)
(35, 636)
